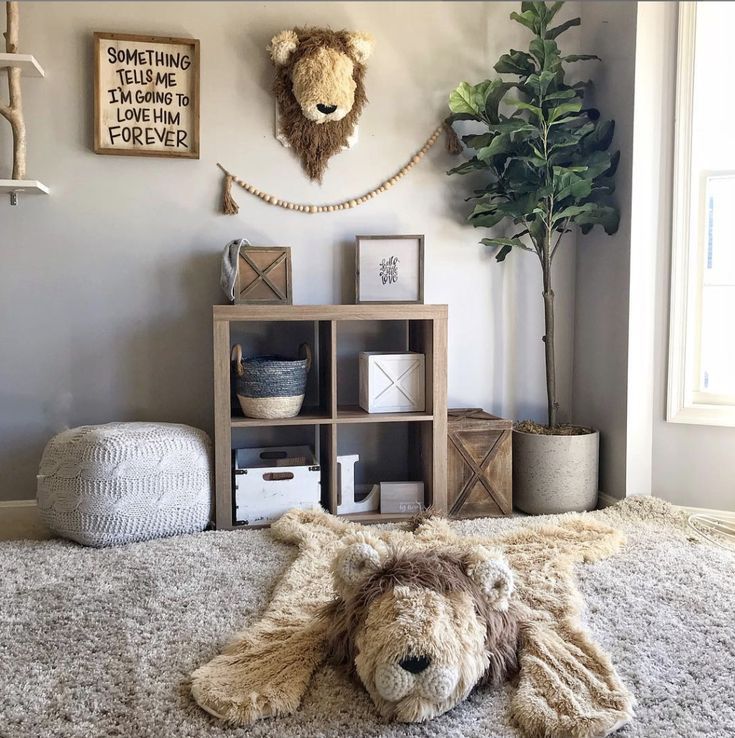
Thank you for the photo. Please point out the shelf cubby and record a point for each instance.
(331, 419)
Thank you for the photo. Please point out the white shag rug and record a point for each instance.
(102, 642)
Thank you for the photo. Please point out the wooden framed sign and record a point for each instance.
(146, 95)
(389, 269)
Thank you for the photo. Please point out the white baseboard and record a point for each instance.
(19, 519)
(707, 510)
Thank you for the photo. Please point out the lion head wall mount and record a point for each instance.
(319, 90)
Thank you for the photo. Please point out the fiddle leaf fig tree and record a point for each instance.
(541, 156)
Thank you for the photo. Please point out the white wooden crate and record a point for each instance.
(270, 481)
(392, 382)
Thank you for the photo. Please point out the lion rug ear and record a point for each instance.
(319, 90)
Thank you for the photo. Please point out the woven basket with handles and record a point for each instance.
(270, 386)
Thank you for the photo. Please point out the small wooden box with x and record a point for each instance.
(264, 275)
(392, 382)
(479, 464)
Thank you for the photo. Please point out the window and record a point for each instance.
(702, 332)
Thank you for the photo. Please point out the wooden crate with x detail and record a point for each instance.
(264, 275)
(479, 464)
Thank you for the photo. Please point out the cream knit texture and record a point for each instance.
(105, 485)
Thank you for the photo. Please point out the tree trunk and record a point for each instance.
(14, 111)
(552, 404)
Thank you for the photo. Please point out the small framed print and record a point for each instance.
(389, 269)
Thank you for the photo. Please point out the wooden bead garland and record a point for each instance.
(230, 207)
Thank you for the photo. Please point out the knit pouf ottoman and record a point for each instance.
(103, 485)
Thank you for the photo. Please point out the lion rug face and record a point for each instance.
(421, 628)
(422, 617)
(319, 90)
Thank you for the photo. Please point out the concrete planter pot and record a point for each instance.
(555, 474)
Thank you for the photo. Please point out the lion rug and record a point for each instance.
(423, 616)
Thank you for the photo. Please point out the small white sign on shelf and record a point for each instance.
(392, 382)
(401, 497)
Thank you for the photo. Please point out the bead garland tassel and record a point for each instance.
(230, 207)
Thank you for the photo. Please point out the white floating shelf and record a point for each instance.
(23, 185)
(27, 63)
(27, 186)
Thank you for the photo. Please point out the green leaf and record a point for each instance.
(509, 242)
(614, 161)
(516, 62)
(453, 117)
(493, 95)
(598, 162)
(514, 125)
(569, 184)
(478, 141)
(564, 109)
(573, 210)
(471, 165)
(536, 161)
(600, 138)
(578, 189)
(558, 171)
(580, 57)
(527, 106)
(500, 256)
(605, 215)
(527, 18)
(488, 220)
(461, 100)
(469, 99)
(540, 82)
(552, 10)
(546, 53)
(537, 229)
(554, 32)
(560, 95)
(501, 144)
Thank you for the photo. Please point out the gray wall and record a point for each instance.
(106, 286)
(600, 384)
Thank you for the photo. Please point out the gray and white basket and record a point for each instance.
(270, 386)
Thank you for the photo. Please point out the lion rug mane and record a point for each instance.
(422, 617)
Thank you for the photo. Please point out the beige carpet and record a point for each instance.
(100, 643)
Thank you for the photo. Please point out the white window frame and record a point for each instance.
(684, 403)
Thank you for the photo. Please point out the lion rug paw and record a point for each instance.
(422, 617)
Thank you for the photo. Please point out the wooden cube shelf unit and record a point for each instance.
(426, 333)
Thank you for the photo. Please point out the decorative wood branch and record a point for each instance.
(13, 112)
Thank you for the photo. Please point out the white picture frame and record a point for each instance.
(389, 269)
